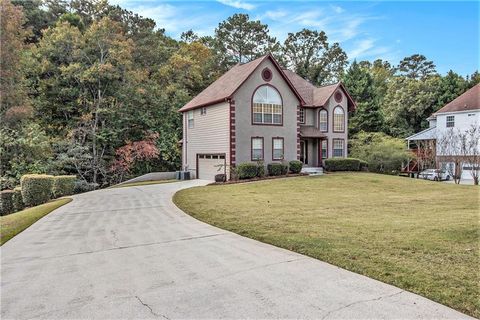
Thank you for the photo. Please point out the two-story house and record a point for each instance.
(459, 115)
(258, 111)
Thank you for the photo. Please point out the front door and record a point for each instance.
(304, 151)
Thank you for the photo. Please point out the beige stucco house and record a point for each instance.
(258, 111)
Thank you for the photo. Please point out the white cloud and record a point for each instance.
(238, 4)
(361, 47)
(369, 49)
(337, 9)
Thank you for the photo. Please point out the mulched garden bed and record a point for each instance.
(290, 175)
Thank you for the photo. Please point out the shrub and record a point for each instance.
(383, 153)
(36, 188)
(247, 170)
(260, 169)
(63, 186)
(363, 165)
(82, 186)
(6, 202)
(18, 204)
(342, 164)
(277, 169)
(295, 166)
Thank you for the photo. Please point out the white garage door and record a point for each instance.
(210, 165)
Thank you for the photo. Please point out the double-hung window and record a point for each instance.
(323, 120)
(301, 115)
(257, 149)
(338, 147)
(277, 149)
(324, 148)
(190, 119)
(267, 106)
(450, 121)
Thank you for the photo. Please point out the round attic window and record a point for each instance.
(338, 97)
(267, 74)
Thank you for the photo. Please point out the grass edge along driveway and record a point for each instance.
(13, 224)
(421, 236)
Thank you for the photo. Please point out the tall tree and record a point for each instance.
(239, 39)
(451, 86)
(308, 53)
(416, 67)
(408, 103)
(368, 116)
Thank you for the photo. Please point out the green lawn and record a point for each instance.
(142, 183)
(14, 223)
(418, 235)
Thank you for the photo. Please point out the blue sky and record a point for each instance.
(445, 32)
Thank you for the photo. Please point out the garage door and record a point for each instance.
(209, 165)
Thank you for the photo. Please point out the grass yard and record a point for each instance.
(141, 183)
(418, 235)
(14, 223)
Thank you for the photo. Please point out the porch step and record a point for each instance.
(313, 171)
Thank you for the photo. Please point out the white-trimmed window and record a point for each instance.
(338, 147)
(450, 121)
(277, 149)
(338, 119)
(190, 119)
(267, 106)
(203, 111)
(324, 148)
(301, 115)
(323, 120)
(257, 149)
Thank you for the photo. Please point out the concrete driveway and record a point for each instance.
(130, 253)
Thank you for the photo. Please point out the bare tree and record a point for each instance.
(450, 151)
(472, 151)
(461, 148)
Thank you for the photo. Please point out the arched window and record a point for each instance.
(267, 106)
(323, 120)
(338, 119)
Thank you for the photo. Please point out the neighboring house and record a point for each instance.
(259, 112)
(459, 115)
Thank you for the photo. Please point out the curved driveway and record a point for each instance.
(130, 253)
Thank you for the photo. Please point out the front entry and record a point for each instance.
(304, 152)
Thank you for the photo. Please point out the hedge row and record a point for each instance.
(345, 164)
(251, 170)
(35, 189)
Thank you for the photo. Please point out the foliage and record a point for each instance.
(360, 85)
(295, 166)
(247, 170)
(6, 202)
(36, 189)
(18, 199)
(277, 169)
(309, 54)
(342, 164)
(63, 186)
(133, 153)
(239, 39)
(416, 67)
(82, 186)
(384, 154)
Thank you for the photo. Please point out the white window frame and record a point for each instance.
(203, 111)
(190, 119)
(324, 142)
